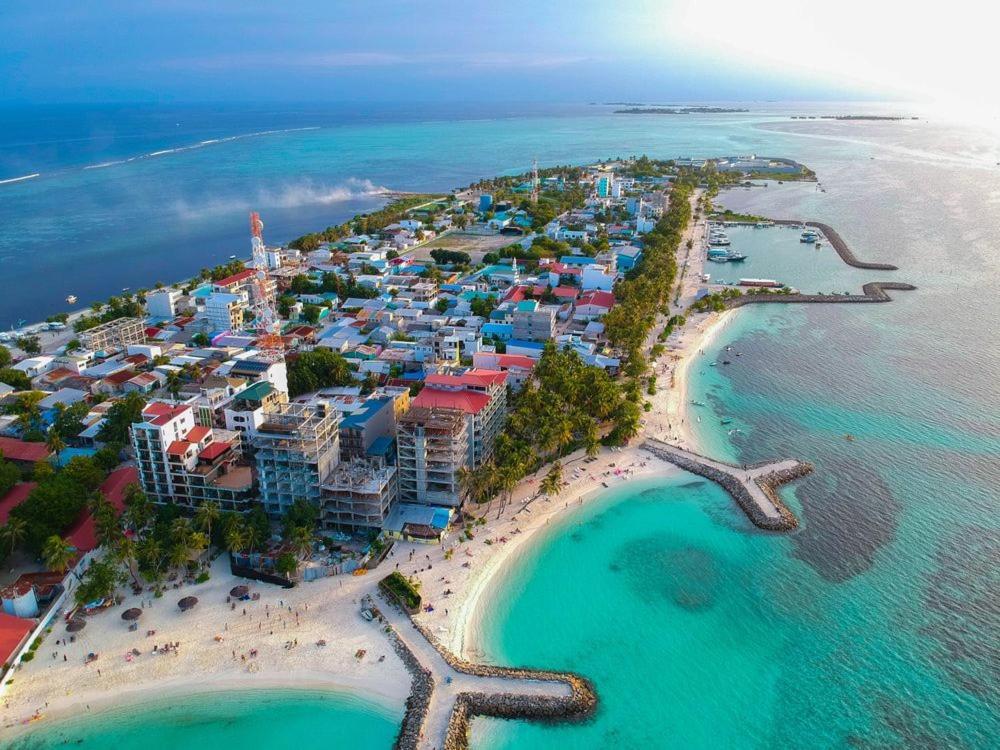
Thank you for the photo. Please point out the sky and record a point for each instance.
(475, 50)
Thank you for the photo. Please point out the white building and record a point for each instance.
(162, 303)
(224, 311)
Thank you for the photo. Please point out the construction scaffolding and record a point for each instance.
(296, 448)
(358, 495)
(433, 445)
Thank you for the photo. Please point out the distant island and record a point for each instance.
(852, 117)
(677, 110)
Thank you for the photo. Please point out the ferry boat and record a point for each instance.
(718, 238)
(726, 257)
(71, 299)
(809, 236)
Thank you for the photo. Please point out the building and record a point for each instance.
(247, 410)
(432, 447)
(296, 448)
(362, 426)
(24, 454)
(183, 462)
(114, 335)
(224, 311)
(481, 395)
(162, 303)
(358, 495)
(533, 322)
(517, 366)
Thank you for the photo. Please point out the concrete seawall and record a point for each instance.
(839, 245)
(874, 291)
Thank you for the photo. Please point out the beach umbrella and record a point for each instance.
(239, 591)
(187, 602)
(76, 625)
(132, 614)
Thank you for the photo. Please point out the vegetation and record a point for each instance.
(29, 344)
(15, 379)
(320, 368)
(716, 301)
(362, 224)
(120, 417)
(5, 357)
(727, 215)
(444, 257)
(125, 306)
(402, 590)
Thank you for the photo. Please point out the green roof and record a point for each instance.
(257, 392)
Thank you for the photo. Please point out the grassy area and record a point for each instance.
(727, 215)
(399, 588)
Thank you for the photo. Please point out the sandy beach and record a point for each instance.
(284, 626)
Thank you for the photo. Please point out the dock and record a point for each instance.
(754, 488)
(446, 691)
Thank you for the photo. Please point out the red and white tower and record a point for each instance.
(262, 302)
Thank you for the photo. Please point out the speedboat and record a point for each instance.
(698, 403)
(71, 299)
(809, 236)
(725, 421)
(718, 239)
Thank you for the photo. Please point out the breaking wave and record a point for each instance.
(307, 193)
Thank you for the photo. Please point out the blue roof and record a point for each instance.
(526, 344)
(576, 260)
(489, 328)
(415, 375)
(368, 409)
(381, 446)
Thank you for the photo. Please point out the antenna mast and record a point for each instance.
(265, 318)
(534, 181)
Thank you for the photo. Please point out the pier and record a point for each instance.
(754, 488)
(873, 291)
(446, 691)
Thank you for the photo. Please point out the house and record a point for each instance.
(593, 305)
(23, 453)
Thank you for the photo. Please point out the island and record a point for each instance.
(304, 468)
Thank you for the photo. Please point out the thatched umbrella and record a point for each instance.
(132, 614)
(239, 591)
(76, 625)
(187, 602)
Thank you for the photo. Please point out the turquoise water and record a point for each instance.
(252, 719)
(776, 253)
(875, 624)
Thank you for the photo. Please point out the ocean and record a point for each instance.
(875, 624)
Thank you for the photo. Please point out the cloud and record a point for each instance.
(291, 195)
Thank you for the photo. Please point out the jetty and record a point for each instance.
(754, 488)
(838, 244)
(447, 691)
(873, 291)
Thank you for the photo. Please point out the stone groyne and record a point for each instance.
(580, 704)
(754, 487)
(839, 245)
(874, 291)
(421, 688)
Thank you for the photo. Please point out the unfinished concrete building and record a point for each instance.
(432, 446)
(297, 447)
(358, 495)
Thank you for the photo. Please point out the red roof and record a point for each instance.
(598, 298)
(14, 497)
(60, 373)
(120, 377)
(83, 535)
(213, 450)
(236, 278)
(151, 331)
(566, 291)
(197, 433)
(477, 378)
(516, 294)
(513, 360)
(159, 412)
(178, 448)
(13, 631)
(19, 450)
(470, 402)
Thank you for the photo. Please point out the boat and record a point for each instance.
(368, 614)
(718, 239)
(71, 299)
(712, 364)
(808, 236)
(698, 403)
(727, 420)
(726, 362)
(232, 257)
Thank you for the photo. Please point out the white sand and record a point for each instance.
(57, 688)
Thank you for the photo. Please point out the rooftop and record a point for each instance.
(470, 402)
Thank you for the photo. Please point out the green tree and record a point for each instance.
(207, 514)
(13, 533)
(5, 358)
(57, 554)
(99, 582)
(120, 418)
(29, 345)
(286, 564)
(15, 379)
(54, 442)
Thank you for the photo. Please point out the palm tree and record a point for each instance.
(57, 553)
(207, 514)
(54, 442)
(180, 530)
(13, 532)
(179, 554)
(553, 482)
(253, 536)
(236, 537)
(138, 509)
(127, 552)
(198, 541)
(506, 480)
(301, 539)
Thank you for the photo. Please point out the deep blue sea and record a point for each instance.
(874, 625)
